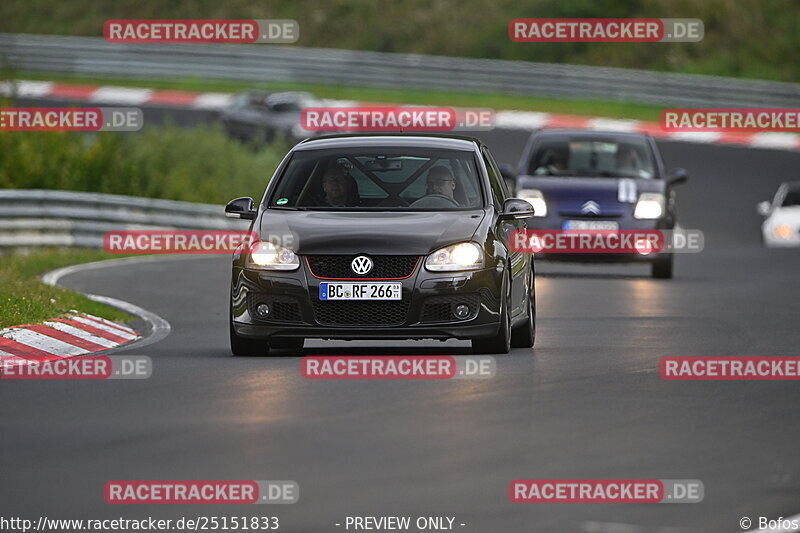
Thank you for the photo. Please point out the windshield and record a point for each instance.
(384, 179)
(592, 158)
(792, 197)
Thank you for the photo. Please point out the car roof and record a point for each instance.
(353, 140)
(591, 134)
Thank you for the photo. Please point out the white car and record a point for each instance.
(782, 224)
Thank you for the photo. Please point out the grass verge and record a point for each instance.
(498, 101)
(24, 299)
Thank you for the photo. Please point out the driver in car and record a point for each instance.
(339, 188)
(441, 188)
(558, 162)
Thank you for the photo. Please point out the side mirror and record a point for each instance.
(764, 208)
(676, 176)
(241, 208)
(516, 209)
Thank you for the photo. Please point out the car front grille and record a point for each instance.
(440, 308)
(384, 266)
(282, 308)
(360, 313)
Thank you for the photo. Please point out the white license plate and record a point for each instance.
(591, 225)
(360, 291)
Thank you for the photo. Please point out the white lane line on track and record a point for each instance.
(159, 328)
(44, 342)
(85, 335)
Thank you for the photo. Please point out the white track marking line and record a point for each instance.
(121, 95)
(212, 100)
(98, 325)
(31, 89)
(85, 335)
(107, 322)
(775, 140)
(523, 120)
(44, 343)
(613, 124)
(695, 136)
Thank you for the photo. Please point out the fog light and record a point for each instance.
(644, 247)
(262, 310)
(461, 311)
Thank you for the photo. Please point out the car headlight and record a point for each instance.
(650, 205)
(462, 256)
(782, 231)
(536, 199)
(268, 256)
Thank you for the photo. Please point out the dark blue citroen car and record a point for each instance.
(595, 180)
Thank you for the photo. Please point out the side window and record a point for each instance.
(496, 182)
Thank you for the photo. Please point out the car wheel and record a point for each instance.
(244, 346)
(662, 268)
(500, 343)
(524, 335)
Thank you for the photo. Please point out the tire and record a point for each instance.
(249, 347)
(524, 335)
(500, 343)
(287, 343)
(662, 268)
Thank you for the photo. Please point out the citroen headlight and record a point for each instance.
(782, 231)
(650, 205)
(269, 256)
(536, 199)
(462, 256)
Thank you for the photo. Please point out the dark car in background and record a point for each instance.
(258, 117)
(383, 237)
(599, 180)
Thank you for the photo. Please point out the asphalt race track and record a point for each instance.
(588, 403)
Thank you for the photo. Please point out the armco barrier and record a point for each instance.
(95, 56)
(65, 218)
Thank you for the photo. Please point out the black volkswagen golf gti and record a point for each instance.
(383, 237)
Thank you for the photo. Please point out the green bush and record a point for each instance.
(196, 165)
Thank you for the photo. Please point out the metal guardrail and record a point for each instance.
(95, 56)
(32, 217)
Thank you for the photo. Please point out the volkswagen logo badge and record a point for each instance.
(361, 265)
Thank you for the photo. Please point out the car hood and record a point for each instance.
(568, 196)
(386, 232)
(786, 215)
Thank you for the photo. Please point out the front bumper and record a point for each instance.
(555, 222)
(297, 311)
